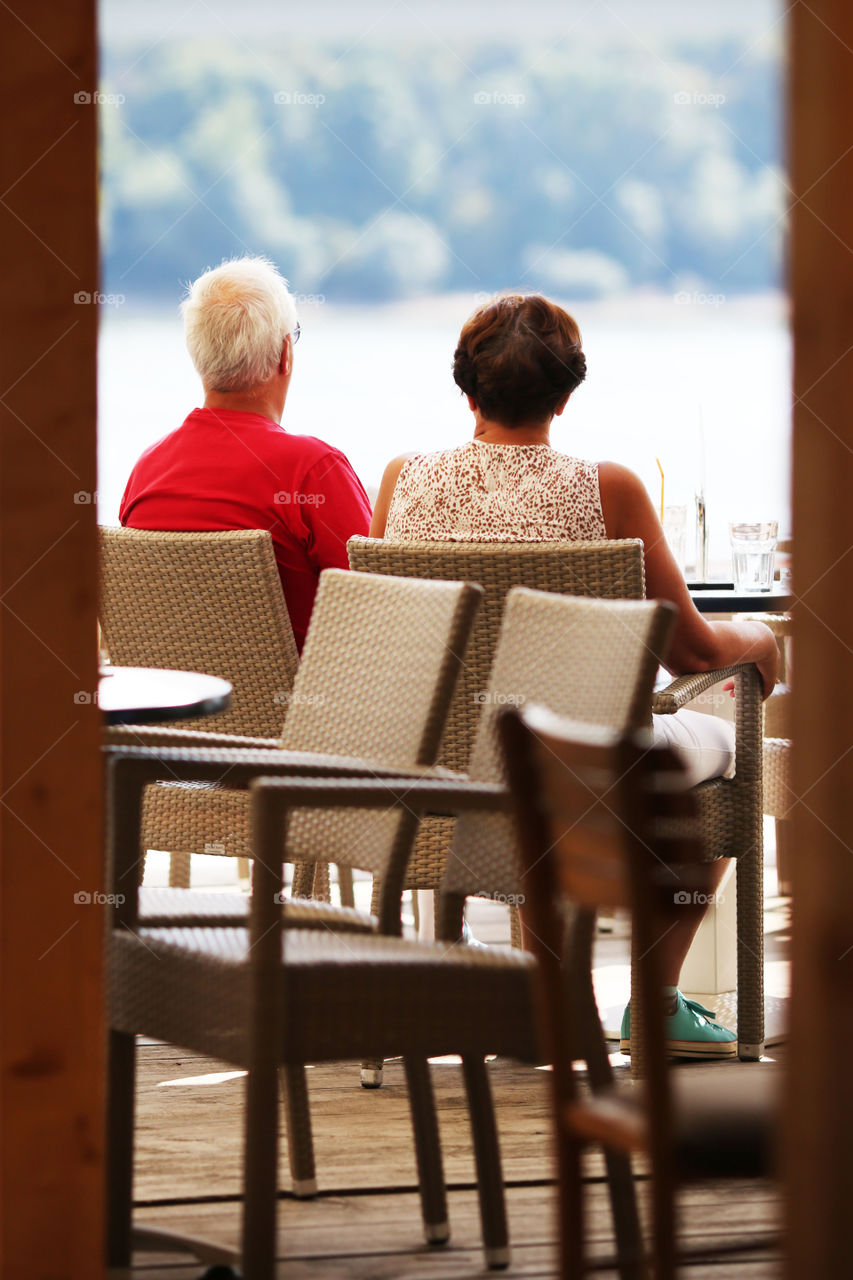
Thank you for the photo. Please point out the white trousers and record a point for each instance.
(706, 745)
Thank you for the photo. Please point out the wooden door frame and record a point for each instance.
(51, 923)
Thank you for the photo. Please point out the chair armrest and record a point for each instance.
(438, 797)
(238, 767)
(156, 735)
(684, 688)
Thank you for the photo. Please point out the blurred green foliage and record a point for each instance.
(385, 171)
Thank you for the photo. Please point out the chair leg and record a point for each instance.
(345, 886)
(372, 1068)
(784, 863)
(243, 868)
(427, 1151)
(750, 953)
(293, 1084)
(570, 1206)
(121, 1087)
(303, 880)
(179, 870)
(515, 937)
(488, 1156)
(260, 1175)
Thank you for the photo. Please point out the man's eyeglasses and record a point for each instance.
(294, 334)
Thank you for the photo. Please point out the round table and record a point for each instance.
(142, 695)
(723, 597)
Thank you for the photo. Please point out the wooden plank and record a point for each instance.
(380, 1235)
(51, 1009)
(820, 1100)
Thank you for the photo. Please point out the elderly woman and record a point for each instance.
(518, 361)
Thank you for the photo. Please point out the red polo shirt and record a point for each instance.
(224, 469)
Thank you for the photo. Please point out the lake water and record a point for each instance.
(376, 381)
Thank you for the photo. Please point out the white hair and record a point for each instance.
(236, 318)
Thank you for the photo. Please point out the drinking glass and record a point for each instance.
(753, 554)
(674, 530)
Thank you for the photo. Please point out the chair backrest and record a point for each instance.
(591, 660)
(376, 679)
(208, 602)
(604, 820)
(609, 570)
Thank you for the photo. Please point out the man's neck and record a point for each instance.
(240, 402)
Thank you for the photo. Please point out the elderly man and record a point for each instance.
(231, 465)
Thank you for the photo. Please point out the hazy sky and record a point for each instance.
(366, 19)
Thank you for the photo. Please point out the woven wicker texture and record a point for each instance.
(593, 661)
(342, 996)
(207, 602)
(779, 798)
(362, 690)
(167, 907)
(611, 570)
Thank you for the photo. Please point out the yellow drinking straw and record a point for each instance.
(660, 469)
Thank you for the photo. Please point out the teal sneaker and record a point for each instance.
(690, 1032)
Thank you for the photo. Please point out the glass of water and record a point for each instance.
(753, 554)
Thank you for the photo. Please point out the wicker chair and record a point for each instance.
(339, 998)
(605, 822)
(364, 701)
(731, 809)
(200, 602)
(607, 570)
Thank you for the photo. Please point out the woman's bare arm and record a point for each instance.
(386, 489)
(697, 645)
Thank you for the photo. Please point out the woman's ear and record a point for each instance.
(285, 364)
(560, 407)
(472, 403)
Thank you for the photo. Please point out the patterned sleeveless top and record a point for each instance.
(496, 493)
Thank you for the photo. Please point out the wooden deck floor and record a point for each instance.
(365, 1223)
